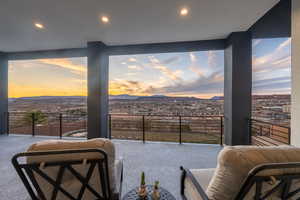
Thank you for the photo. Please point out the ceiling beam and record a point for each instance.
(57, 53)
(171, 47)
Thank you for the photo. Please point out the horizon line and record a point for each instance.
(138, 96)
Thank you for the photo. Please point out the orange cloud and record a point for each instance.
(173, 75)
(119, 86)
(65, 63)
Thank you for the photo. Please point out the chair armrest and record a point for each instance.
(118, 179)
(186, 173)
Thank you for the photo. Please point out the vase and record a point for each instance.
(142, 192)
(155, 194)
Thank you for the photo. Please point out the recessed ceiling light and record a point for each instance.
(39, 25)
(184, 11)
(105, 19)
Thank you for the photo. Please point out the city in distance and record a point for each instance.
(270, 108)
(159, 116)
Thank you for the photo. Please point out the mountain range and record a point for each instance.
(117, 97)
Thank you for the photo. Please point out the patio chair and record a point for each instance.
(246, 172)
(69, 170)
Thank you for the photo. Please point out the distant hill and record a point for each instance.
(150, 98)
(47, 98)
(116, 97)
(123, 96)
(217, 98)
(159, 97)
(167, 98)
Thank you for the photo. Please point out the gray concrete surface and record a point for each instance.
(160, 161)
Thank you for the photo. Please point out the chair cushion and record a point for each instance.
(69, 181)
(234, 164)
(203, 177)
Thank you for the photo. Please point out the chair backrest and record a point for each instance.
(235, 169)
(272, 181)
(65, 179)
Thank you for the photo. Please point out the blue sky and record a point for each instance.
(271, 66)
(198, 74)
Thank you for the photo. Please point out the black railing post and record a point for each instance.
(250, 131)
(7, 123)
(60, 125)
(289, 135)
(261, 130)
(221, 131)
(180, 130)
(143, 128)
(110, 128)
(33, 123)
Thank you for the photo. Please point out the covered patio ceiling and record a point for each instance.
(97, 29)
(70, 24)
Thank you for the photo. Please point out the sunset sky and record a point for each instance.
(199, 74)
(48, 77)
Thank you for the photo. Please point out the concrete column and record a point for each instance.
(3, 92)
(237, 89)
(295, 109)
(98, 61)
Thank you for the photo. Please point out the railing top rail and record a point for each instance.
(138, 115)
(269, 123)
(131, 115)
(48, 113)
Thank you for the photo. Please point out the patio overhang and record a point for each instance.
(274, 21)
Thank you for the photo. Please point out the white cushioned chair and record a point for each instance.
(65, 169)
(246, 172)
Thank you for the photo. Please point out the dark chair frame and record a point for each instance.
(26, 172)
(283, 182)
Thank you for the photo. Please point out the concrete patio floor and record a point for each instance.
(160, 161)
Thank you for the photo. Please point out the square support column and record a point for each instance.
(3, 93)
(98, 61)
(237, 90)
(295, 109)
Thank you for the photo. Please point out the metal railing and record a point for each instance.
(46, 124)
(269, 134)
(166, 128)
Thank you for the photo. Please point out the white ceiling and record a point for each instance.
(71, 23)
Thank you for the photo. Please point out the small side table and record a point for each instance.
(133, 194)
